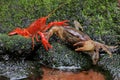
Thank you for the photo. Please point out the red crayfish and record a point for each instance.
(38, 27)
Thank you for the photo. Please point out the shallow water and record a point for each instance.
(32, 70)
(53, 74)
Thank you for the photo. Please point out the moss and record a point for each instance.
(22, 12)
(63, 56)
(100, 21)
(102, 17)
(14, 45)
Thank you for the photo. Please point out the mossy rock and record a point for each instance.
(18, 47)
(111, 64)
(63, 57)
(19, 70)
(14, 46)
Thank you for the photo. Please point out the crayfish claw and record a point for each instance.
(44, 41)
(46, 44)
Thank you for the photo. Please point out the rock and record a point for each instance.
(112, 65)
(63, 57)
(14, 46)
(15, 70)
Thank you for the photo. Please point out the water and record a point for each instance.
(53, 74)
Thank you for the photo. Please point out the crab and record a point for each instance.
(80, 40)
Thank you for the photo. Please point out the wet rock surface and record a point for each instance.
(62, 57)
(18, 70)
(14, 47)
(111, 64)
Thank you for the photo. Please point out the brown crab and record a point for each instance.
(80, 40)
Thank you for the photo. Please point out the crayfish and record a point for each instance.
(38, 27)
(80, 40)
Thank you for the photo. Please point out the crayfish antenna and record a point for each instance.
(54, 10)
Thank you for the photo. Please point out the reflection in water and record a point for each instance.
(28, 70)
(51, 74)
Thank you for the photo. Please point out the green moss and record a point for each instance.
(103, 19)
(14, 45)
(63, 56)
(22, 12)
(99, 21)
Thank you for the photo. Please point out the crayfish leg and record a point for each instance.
(36, 36)
(60, 23)
(33, 43)
(44, 41)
